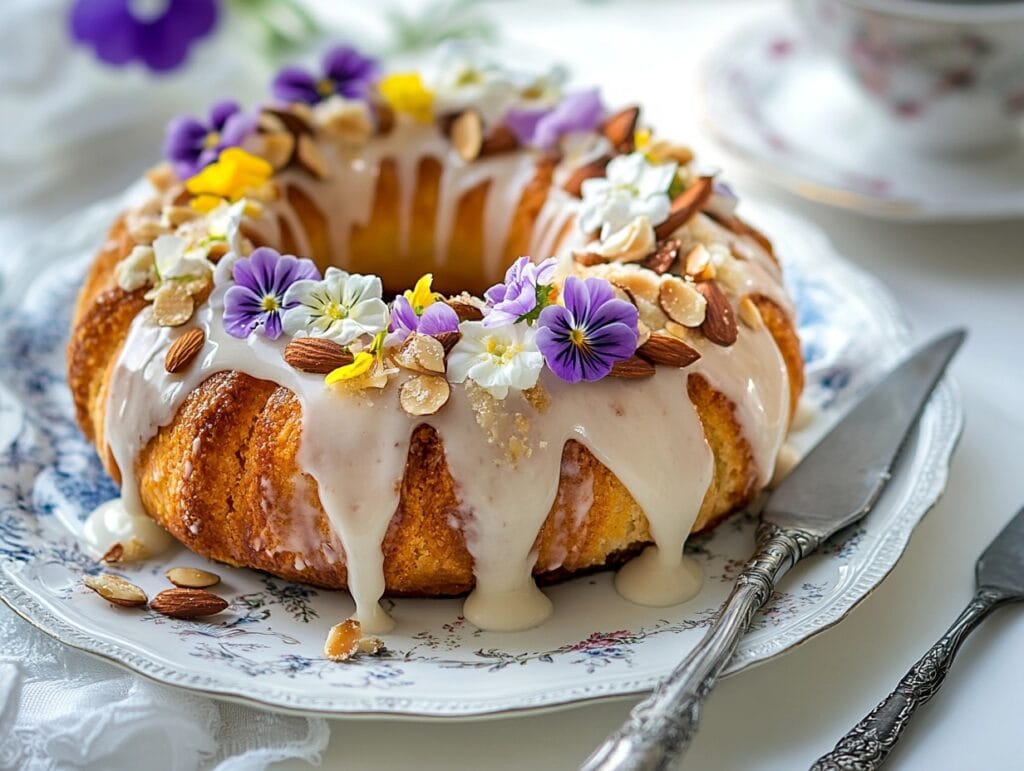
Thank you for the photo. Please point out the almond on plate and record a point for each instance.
(116, 590)
(187, 603)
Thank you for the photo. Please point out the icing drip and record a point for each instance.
(112, 522)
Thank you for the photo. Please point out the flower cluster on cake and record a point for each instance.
(434, 332)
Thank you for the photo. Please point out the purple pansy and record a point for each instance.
(594, 329)
(345, 71)
(191, 144)
(256, 299)
(435, 320)
(578, 111)
(119, 33)
(523, 293)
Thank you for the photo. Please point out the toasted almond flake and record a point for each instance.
(161, 177)
(145, 230)
(187, 603)
(698, 263)
(192, 578)
(172, 304)
(424, 394)
(132, 550)
(278, 148)
(467, 135)
(184, 349)
(310, 158)
(371, 646)
(179, 215)
(342, 641)
(681, 301)
(750, 314)
(116, 590)
(114, 553)
(421, 353)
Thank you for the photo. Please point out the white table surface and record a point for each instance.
(785, 713)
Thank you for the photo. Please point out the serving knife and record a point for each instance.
(999, 579)
(835, 485)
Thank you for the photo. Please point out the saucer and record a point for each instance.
(787, 109)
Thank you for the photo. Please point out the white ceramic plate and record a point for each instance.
(783, 106)
(265, 647)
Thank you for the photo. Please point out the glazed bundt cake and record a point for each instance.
(506, 418)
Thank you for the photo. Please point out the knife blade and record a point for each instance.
(835, 485)
(999, 578)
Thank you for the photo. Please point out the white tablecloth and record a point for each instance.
(781, 715)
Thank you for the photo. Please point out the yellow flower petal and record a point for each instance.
(206, 203)
(404, 92)
(360, 366)
(420, 297)
(231, 176)
(641, 138)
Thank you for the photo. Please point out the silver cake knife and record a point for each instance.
(833, 487)
(999, 579)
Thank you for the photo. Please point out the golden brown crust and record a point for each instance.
(223, 476)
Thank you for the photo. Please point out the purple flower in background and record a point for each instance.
(346, 72)
(436, 319)
(522, 295)
(256, 299)
(191, 144)
(578, 111)
(120, 32)
(594, 329)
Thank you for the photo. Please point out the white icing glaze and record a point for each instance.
(354, 445)
(112, 522)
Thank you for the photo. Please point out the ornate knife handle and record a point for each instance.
(660, 728)
(869, 743)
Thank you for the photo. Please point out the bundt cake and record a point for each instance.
(505, 418)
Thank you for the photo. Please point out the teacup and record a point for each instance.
(950, 75)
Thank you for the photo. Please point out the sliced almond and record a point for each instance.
(424, 394)
(670, 351)
(132, 550)
(595, 168)
(287, 118)
(371, 646)
(342, 641)
(278, 148)
(192, 578)
(145, 229)
(184, 349)
(501, 139)
(179, 215)
(316, 355)
(663, 257)
(172, 304)
(309, 157)
(114, 554)
(750, 314)
(633, 368)
(448, 340)
(421, 353)
(187, 603)
(698, 264)
(681, 301)
(161, 177)
(686, 204)
(719, 324)
(620, 127)
(467, 135)
(465, 311)
(116, 590)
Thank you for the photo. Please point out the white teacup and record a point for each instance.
(949, 74)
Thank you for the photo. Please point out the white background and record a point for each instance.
(785, 713)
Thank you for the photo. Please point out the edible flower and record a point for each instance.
(340, 307)
(174, 258)
(190, 144)
(496, 359)
(583, 338)
(631, 188)
(421, 297)
(405, 93)
(525, 292)
(346, 72)
(435, 320)
(257, 298)
(360, 365)
(578, 111)
(234, 174)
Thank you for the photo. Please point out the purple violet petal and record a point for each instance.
(294, 84)
(221, 111)
(437, 319)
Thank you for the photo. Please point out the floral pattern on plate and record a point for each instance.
(266, 646)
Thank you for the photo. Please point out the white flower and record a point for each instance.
(136, 270)
(225, 224)
(628, 244)
(496, 358)
(341, 307)
(631, 188)
(174, 258)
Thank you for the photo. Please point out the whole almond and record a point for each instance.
(184, 349)
(686, 204)
(719, 324)
(620, 127)
(589, 259)
(448, 340)
(500, 140)
(316, 355)
(187, 603)
(663, 257)
(667, 350)
(595, 168)
(467, 135)
(633, 368)
(192, 578)
(116, 590)
(465, 311)
(424, 394)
